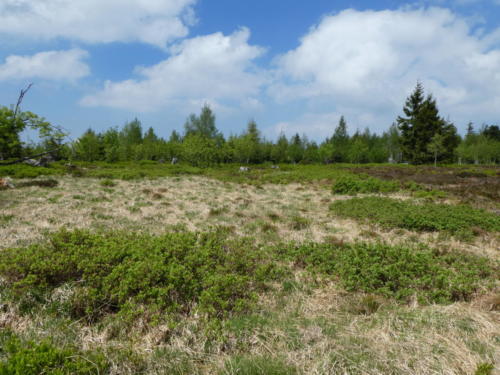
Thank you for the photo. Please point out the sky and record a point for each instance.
(292, 66)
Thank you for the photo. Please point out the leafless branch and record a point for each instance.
(20, 99)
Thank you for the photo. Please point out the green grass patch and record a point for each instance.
(459, 220)
(257, 366)
(397, 272)
(129, 273)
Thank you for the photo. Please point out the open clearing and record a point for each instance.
(294, 312)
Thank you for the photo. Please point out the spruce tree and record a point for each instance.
(420, 124)
(340, 142)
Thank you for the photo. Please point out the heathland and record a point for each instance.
(151, 268)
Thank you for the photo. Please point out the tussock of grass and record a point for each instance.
(427, 217)
(257, 366)
(397, 271)
(122, 273)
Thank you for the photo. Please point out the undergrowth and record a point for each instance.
(18, 357)
(460, 220)
(127, 274)
(354, 184)
(398, 272)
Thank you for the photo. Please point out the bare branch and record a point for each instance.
(20, 99)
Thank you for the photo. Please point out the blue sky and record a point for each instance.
(293, 66)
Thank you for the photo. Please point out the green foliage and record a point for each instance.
(484, 369)
(397, 271)
(27, 171)
(424, 134)
(258, 366)
(19, 357)
(108, 183)
(427, 217)
(12, 125)
(122, 272)
(353, 184)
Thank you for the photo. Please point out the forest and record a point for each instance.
(419, 136)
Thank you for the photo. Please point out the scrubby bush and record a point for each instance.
(123, 273)
(397, 271)
(428, 217)
(27, 171)
(354, 184)
(19, 357)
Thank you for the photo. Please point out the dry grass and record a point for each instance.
(198, 203)
(314, 325)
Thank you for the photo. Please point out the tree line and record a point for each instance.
(419, 136)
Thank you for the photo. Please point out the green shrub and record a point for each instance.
(26, 171)
(123, 272)
(354, 184)
(427, 217)
(29, 358)
(397, 271)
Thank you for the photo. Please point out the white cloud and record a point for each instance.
(155, 22)
(210, 68)
(51, 65)
(369, 61)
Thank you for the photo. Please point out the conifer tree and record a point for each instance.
(420, 124)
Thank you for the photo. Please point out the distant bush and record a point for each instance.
(123, 273)
(29, 358)
(427, 217)
(27, 171)
(397, 271)
(359, 184)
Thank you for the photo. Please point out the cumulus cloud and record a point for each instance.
(369, 61)
(51, 65)
(208, 68)
(155, 22)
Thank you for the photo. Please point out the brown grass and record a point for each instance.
(317, 326)
(199, 204)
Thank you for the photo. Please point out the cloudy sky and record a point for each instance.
(293, 66)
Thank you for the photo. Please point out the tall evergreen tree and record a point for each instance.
(420, 124)
(340, 142)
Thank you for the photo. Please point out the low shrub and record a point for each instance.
(460, 220)
(26, 171)
(124, 273)
(19, 357)
(354, 184)
(397, 271)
